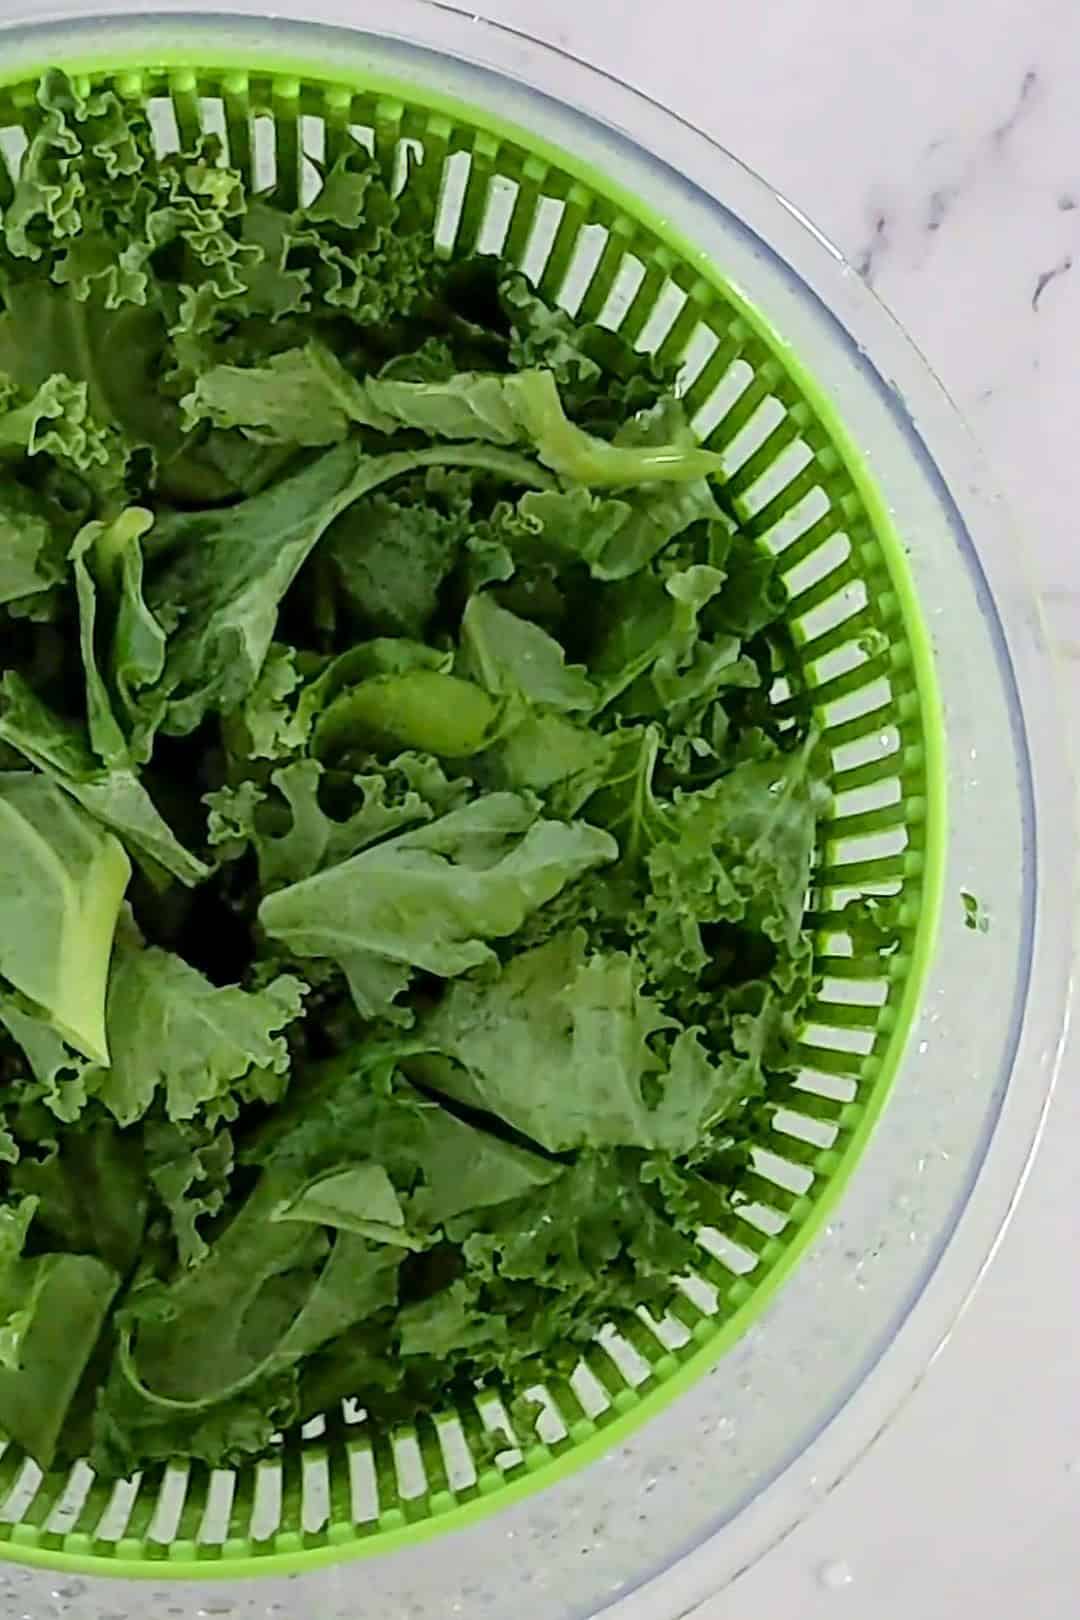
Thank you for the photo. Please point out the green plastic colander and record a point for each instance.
(344, 1487)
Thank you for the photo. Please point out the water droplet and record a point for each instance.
(70, 1589)
(1073, 1467)
(834, 1575)
(650, 1485)
(924, 1047)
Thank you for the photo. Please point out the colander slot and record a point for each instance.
(364, 135)
(630, 1365)
(701, 345)
(409, 1469)
(809, 571)
(584, 262)
(69, 1506)
(164, 129)
(363, 1483)
(458, 1461)
(774, 468)
(793, 529)
(263, 153)
(838, 1038)
(312, 157)
(815, 1132)
(217, 1512)
(836, 1091)
(495, 1417)
(731, 1255)
(667, 1329)
(856, 705)
(266, 1500)
(741, 448)
(795, 1178)
(875, 746)
(501, 197)
(23, 1489)
(665, 312)
(545, 226)
(764, 1218)
(837, 609)
(844, 669)
(455, 178)
(700, 1292)
(624, 289)
(589, 1392)
(314, 1491)
(738, 377)
(212, 118)
(118, 1509)
(169, 1505)
(854, 992)
(408, 157)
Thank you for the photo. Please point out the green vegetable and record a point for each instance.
(62, 881)
(387, 621)
(418, 709)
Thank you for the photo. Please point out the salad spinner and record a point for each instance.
(664, 1465)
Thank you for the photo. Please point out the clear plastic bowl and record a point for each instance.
(705, 1490)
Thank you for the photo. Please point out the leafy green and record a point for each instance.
(171, 1031)
(508, 654)
(62, 881)
(432, 898)
(308, 397)
(391, 624)
(115, 796)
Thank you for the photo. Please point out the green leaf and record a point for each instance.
(508, 654)
(391, 560)
(360, 1199)
(420, 708)
(626, 803)
(66, 1299)
(62, 880)
(189, 1166)
(562, 1046)
(31, 552)
(228, 570)
(432, 898)
(114, 797)
(445, 1322)
(59, 1072)
(378, 805)
(741, 852)
(90, 1190)
(173, 1032)
(303, 396)
(16, 1310)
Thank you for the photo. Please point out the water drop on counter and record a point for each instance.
(834, 1575)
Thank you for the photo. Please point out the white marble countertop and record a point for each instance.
(938, 144)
